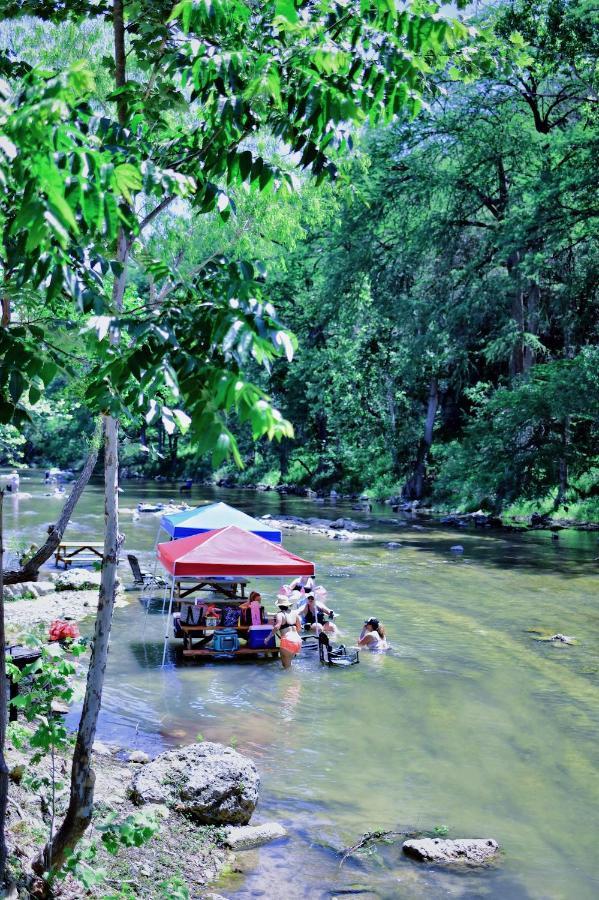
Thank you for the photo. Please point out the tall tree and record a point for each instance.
(303, 72)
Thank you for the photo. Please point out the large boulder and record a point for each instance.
(210, 783)
(76, 580)
(436, 850)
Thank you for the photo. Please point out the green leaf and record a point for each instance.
(286, 10)
(128, 179)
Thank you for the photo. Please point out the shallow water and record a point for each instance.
(467, 723)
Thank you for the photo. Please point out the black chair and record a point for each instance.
(144, 580)
(336, 656)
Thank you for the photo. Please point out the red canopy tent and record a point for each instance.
(230, 551)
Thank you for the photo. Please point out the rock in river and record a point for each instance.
(246, 837)
(464, 850)
(208, 782)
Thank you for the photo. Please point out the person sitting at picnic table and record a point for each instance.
(372, 636)
(252, 611)
(286, 630)
(313, 614)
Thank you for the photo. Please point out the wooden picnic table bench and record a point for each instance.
(68, 552)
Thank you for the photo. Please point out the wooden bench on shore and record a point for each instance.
(69, 552)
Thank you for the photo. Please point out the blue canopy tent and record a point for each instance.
(213, 516)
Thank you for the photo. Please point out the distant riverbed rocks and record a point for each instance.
(438, 850)
(335, 529)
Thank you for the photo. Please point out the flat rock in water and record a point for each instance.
(210, 783)
(437, 850)
(246, 837)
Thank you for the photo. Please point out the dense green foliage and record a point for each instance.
(451, 272)
(457, 276)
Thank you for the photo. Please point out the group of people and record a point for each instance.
(313, 616)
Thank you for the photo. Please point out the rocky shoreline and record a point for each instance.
(362, 502)
(200, 796)
(71, 595)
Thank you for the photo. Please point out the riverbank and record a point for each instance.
(179, 854)
(581, 516)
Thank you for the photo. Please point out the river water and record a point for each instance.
(468, 724)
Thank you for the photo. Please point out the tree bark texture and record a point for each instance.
(3, 705)
(29, 571)
(413, 489)
(79, 812)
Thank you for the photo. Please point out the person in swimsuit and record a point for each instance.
(372, 636)
(313, 614)
(286, 628)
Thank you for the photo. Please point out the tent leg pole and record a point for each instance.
(156, 548)
(168, 619)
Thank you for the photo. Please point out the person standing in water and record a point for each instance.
(372, 636)
(286, 627)
(313, 613)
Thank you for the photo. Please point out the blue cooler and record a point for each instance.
(256, 636)
(225, 641)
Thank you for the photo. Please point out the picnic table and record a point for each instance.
(68, 552)
(232, 589)
(205, 633)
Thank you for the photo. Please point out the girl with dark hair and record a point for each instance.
(372, 636)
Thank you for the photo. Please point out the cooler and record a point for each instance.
(256, 635)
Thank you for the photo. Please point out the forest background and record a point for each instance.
(443, 291)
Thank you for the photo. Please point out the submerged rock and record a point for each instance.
(474, 852)
(210, 783)
(246, 837)
(558, 639)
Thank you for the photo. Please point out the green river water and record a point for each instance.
(467, 723)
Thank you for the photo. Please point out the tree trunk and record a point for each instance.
(79, 812)
(81, 802)
(532, 324)
(413, 489)
(517, 354)
(392, 408)
(3, 705)
(29, 571)
(563, 465)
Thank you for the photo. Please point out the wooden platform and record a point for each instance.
(243, 651)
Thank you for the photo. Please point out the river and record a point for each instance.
(468, 724)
